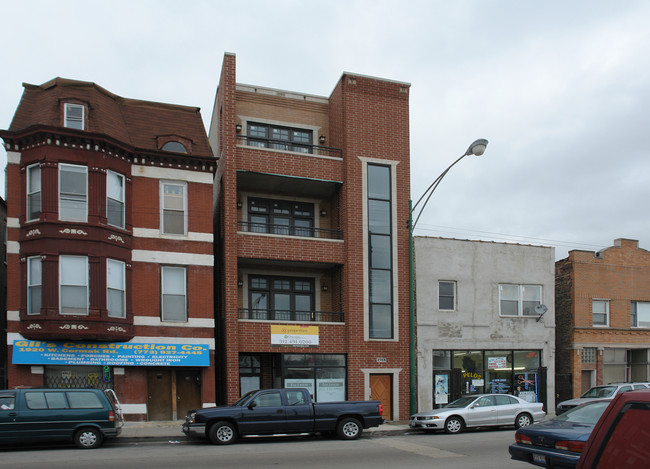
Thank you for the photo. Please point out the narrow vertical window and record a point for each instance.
(73, 285)
(34, 285)
(446, 296)
(115, 199)
(174, 294)
(380, 241)
(33, 192)
(74, 116)
(600, 312)
(174, 205)
(73, 190)
(115, 289)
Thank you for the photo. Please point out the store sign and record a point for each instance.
(34, 352)
(497, 362)
(297, 336)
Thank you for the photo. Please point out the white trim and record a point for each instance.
(13, 316)
(13, 247)
(172, 174)
(13, 336)
(13, 157)
(166, 257)
(133, 408)
(13, 222)
(395, 382)
(157, 322)
(157, 234)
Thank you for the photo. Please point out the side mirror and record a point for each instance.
(252, 405)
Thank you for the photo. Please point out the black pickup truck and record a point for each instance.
(282, 411)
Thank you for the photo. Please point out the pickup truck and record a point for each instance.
(282, 411)
(621, 437)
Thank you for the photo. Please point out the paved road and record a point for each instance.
(477, 449)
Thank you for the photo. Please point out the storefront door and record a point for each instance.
(188, 392)
(159, 394)
(381, 389)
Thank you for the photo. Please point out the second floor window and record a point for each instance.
(115, 288)
(174, 294)
(519, 300)
(281, 217)
(446, 296)
(73, 189)
(600, 312)
(115, 199)
(74, 116)
(33, 192)
(640, 314)
(34, 285)
(73, 285)
(174, 206)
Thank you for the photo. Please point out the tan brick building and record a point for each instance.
(312, 240)
(602, 317)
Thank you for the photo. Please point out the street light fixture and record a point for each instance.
(477, 148)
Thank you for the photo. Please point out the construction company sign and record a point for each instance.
(294, 336)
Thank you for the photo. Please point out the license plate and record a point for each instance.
(539, 458)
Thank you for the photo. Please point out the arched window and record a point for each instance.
(176, 147)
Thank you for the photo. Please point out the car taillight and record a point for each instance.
(111, 416)
(381, 410)
(519, 438)
(574, 446)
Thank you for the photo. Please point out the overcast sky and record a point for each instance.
(559, 88)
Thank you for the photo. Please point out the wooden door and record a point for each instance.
(159, 394)
(188, 392)
(381, 389)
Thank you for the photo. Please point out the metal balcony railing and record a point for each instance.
(284, 145)
(284, 315)
(284, 230)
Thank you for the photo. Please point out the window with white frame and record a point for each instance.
(115, 199)
(174, 294)
(446, 295)
(75, 116)
(174, 208)
(600, 312)
(519, 300)
(73, 190)
(73, 285)
(34, 284)
(640, 314)
(33, 211)
(115, 288)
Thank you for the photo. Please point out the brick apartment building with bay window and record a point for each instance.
(311, 241)
(110, 248)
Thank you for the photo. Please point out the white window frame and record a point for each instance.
(520, 300)
(119, 201)
(606, 313)
(32, 192)
(164, 209)
(165, 270)
(85, 284)
(121, 267)
(635, 305)
(34, 283)
(78, 169)
(74, 122)
(453, 308)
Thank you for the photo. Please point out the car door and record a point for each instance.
(299, 412)
(264, 415)
(8, 415)
(482, 412)
(507, 409)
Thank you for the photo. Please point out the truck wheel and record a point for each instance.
(523, 420)
(349, 429)
(222, 433)
(454, 425)
(88, 438)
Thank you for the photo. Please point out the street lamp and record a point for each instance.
(476, 148)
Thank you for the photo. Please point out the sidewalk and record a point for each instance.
(170, 430)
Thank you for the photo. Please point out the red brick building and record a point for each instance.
(110, 248)
(312, 239)
(602, 317)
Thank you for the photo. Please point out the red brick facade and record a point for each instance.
(364, 121)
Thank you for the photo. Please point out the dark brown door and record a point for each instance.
(381, 389)
(188, 392)
(159, 394)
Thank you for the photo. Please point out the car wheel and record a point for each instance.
(88, 438)
(349, 429)
(222, 433)
(454, 425)
(523, 420)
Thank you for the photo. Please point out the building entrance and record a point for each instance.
(172, 393)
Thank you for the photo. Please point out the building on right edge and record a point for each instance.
(485, 320)
(603, 317)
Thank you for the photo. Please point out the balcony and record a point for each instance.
(284, 230)
(284, 315)
(282, 145)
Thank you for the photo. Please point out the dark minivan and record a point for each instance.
(83, 416)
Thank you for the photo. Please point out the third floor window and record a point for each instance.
(74, 116)
(279, 138)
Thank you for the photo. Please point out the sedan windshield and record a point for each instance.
(588, 413)
(603, 391)
(462, 402)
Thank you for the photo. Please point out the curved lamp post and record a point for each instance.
(476, 148)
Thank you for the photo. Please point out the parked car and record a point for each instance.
(598, 392)
(83, 416)
(282, 411)
(621, 437)
(481, 410)
(558, 442)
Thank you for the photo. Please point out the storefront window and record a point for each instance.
(78, 377)
(249, 373)
(526, 368)
(498, 374)
(471, 366)
(323, 375)
(441, 359)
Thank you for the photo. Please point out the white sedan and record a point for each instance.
(480, 410)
